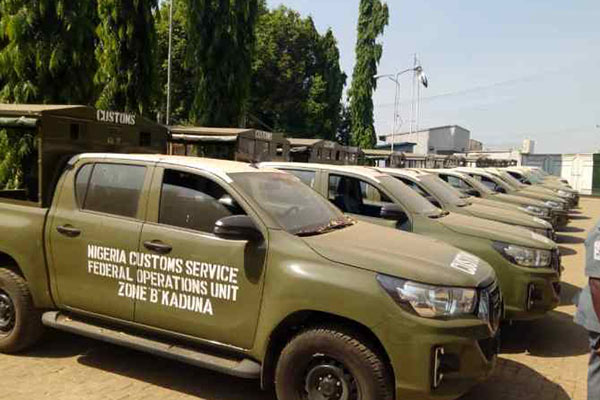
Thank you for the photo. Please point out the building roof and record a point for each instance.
(435, 128)
(36, 109)
(207, 131)
(304, 142)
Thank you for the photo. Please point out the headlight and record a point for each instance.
(430, 301)
(563, 193)
(553, 204)
(539, 211)
(524, 256)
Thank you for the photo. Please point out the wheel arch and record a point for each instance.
(10, 263)
(301, 320)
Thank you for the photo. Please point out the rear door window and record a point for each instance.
(112, 188)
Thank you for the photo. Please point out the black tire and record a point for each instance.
(20, 322)
(310, 359)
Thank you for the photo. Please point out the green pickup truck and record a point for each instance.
(527, 264)
(444, 196)
(229, 267)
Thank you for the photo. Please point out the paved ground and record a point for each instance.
(544, 360)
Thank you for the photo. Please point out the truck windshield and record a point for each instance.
(443, 191)
(408, 197)
(297, 208)
(475, 184)
(511, 180)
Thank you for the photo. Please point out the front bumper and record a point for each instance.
(560, 219)
(469, 356)
(531, 293)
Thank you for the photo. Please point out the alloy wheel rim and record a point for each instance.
(7, 312)
(328, 379)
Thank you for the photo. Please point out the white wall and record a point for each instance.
(578, 169)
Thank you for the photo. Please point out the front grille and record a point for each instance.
(555, 263)
(490, 306)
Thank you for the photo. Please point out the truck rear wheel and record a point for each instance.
(20, 322)
(331, 364)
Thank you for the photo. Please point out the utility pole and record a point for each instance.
(168, 116)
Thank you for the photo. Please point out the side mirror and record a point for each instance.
(393, 212)
(237, 227)
(500, 189)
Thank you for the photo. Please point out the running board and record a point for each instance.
(241, 368)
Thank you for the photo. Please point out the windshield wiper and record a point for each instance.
(331, 226)
(442, 214)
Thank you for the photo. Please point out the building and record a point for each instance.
(322, 151)
(475, 145)
(446, 140)
(239, 144)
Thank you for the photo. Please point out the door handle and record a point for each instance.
(68, 230)
(158, 247)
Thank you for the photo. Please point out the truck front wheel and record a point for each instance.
(20, 322)
(331, 364)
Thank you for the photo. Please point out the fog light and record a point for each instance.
(530, 294)
(438, 375)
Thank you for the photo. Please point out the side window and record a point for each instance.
(455, 182)
(307, 177)
(488, 182)
(113, 189)
(356, 196)
(82, 181)
(194, 202)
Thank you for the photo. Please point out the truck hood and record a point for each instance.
(401, 254)
(518, 218)
(543, 196)
(496, 231)
(509, 198)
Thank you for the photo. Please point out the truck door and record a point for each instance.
(198, 284)
(93, 231)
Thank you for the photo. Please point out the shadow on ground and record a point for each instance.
(555, 335)
(566, 239)
(513, 380)
(567, 251)
(172, 375)
(572, 229)
(578, 217)
(147, 368)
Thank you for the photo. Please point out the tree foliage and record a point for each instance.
(297, 82)
(126, 55)
(46, 53)
(17, 158)
(182, 92)
(372, 20)
(221, 43)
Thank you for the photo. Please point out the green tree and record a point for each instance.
(126, 55)
(46, 51)
(182, 92)
(372, 20)
(297, 82)
(46, 56)
(221, 43)
(344, 132)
